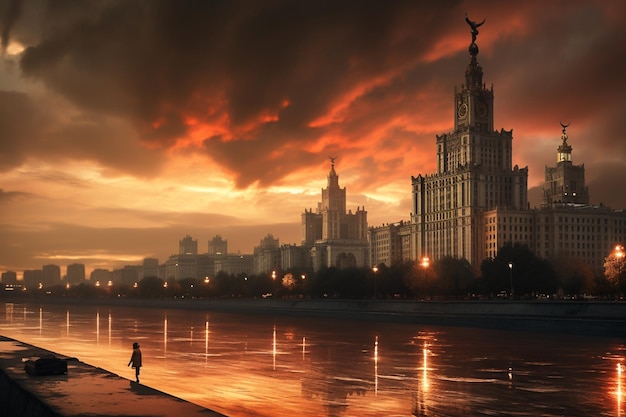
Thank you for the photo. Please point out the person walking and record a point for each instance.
(135, 360)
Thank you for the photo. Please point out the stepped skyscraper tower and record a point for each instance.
(474, 175)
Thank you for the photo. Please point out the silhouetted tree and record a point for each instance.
(150, 287)
(574, 276)
(529, 274)
(453, 277)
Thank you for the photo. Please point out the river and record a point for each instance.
(279, 366)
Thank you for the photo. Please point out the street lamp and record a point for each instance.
(274, 284)
(619, 256)
(375, 269)
(511, 277)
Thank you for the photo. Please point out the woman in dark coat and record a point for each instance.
(135, 359)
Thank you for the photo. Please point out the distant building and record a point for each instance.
(235, 264)
(150, 268)
(75, 274)
(181, 266)
(566, 225)
(294, 257)
(51, 275)
(267, 255)
(100, 276)
(187, 246)
(218, 246)
(9, 278)
(390, 243)
(335, 237)
(32, 278)
(564, 183)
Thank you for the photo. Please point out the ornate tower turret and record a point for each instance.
(564, 183)
(474, 102)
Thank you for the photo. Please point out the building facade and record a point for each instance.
(566, 225)
(564, 183)
(188, 246)
(474, 175)
(477, 202)
(335, 237)
(75, 274)
(218, 246)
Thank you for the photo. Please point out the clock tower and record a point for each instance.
(475, 174)
(473, 102)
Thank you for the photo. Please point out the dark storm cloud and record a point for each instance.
(9, 195)
(163, 62)
(9, 13)
(21, 121)
(273, 83)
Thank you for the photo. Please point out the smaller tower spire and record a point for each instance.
(474, 72)
(333, 179)
(565, 150)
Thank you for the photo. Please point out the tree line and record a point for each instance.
(515, 273)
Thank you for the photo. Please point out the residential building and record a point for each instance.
(75, 274)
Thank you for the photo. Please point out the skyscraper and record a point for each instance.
(187, 246)
(75, 274)
(335, 237)
(565, 183)
(474, 174)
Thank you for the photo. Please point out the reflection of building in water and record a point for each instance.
(334, 383)
(333, 392)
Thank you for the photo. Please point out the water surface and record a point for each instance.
(259, 365)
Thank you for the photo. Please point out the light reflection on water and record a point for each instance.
(251, 365)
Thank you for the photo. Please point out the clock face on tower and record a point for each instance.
(462, 111)
(481, 109)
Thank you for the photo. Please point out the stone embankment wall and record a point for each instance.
(84, 391)
(15, 401)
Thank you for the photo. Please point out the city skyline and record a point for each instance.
(205, 119)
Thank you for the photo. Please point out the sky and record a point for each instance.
(126, 125)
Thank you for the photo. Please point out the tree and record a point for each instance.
(517, 269)
(150, 287)
(454, 276)
(574, 276)
(614, 269)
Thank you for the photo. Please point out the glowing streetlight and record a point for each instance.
(511, 277)
(375, 269)
(273, 282)
(425, 262)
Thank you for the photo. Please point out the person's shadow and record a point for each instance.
(137, 388)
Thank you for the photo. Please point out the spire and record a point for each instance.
(474, 72)
(565, 150)
(333, 179)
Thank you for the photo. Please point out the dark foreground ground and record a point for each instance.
(84, 391)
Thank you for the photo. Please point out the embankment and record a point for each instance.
(84, 391)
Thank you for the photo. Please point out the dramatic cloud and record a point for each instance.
(232, 107)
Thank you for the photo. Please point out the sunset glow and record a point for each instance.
(122, 135)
